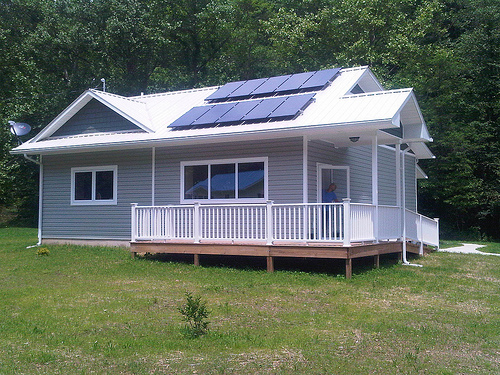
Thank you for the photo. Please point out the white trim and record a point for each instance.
(320, 166)
(375, 171)
(305, 161)
(77, 105)
(225, 161)
(93, 201)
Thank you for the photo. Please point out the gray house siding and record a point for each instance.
(284, 166)
(387, 191)
(358, 159)
(411, 182)
(95, 117)
(62, 220)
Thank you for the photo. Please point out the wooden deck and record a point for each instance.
(296, 250)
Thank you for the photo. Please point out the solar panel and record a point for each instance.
(247, 88)
(291, 106)
(294, 82)
(264, 108)
(320, 78)
(190, 116)
(270, 85)
(213, 114)
(225, 90)
(239, 111)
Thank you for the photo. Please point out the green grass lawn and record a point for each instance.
(83, 310)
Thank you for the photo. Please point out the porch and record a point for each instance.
(309, 230)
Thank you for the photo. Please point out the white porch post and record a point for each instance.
(153, 173)
(196, 222)
(133, 234)
(375, 184)
(347, 221)
(269, 222)
(398, 182)
(305, 159)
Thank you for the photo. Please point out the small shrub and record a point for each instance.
(43, 251)
(195, 313)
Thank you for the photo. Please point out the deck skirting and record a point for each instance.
(302, 250)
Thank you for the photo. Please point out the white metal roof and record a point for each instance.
(334, 114)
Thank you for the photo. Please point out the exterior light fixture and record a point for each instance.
(354, 139)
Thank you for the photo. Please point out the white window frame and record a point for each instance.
(93, 201)
(225, 161)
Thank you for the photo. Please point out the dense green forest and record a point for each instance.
(449, 51)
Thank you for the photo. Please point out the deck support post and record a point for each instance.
(133, 254)
(196, 259)
(348, 268)
(270, 264)
(377, 261)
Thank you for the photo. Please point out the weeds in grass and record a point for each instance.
(43, 251)
(195, 313)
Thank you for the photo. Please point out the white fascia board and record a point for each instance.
(366, 72)
(421, 150)
(76, 106)
(120, 112)
(421, 175)
(64, 116)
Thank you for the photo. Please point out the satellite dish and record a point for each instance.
(19, 128)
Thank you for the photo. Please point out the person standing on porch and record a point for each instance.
(329, 195)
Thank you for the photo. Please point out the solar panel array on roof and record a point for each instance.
(282, 107)
(271, 86)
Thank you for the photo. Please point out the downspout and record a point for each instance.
(405, 260)
(40, 198)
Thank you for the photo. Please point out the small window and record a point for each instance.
(94, 185)
(223, 181)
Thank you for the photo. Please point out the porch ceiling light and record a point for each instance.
(354, 139)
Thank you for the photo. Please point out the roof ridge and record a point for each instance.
(375, 93)
(104, 93)
(177, 92)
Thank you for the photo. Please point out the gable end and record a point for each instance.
(95, 117)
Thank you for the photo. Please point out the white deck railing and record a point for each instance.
(312, 222)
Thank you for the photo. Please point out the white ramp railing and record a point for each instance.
(312, 222)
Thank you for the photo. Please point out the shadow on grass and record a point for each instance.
(307, 265)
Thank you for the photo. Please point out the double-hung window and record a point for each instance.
(94, 185)
(224, 181)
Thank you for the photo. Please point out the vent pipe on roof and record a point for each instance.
(103, 84)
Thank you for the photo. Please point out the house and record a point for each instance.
(239, 169)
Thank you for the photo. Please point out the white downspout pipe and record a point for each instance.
(40, 198)
(405, 260)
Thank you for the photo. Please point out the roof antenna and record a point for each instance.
(103, 84)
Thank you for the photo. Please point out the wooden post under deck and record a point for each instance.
(270, 264)
(196, 259)
(377, 261)
(348, 268)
